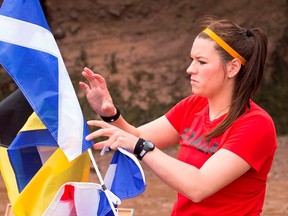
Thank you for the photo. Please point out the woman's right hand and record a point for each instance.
(97, 93)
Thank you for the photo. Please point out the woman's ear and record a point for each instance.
(233, 67)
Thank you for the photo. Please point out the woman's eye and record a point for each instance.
(202, 62)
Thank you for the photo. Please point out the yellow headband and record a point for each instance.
(224, 45)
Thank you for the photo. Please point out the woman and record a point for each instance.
(227, 142)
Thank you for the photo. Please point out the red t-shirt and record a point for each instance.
(252, 137)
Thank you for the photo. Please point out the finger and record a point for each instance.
(103, 132)
(96, 134)
(88, 71)
(99, 145)
(108, 143)
(94, 79)
(85, 87)
(91, 78)
(100, 79)
(98, 123)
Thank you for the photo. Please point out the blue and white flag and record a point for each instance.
(29, 53)
(125, 176)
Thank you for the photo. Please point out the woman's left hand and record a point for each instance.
(116, 137)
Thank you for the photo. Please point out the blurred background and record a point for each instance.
(142, 49)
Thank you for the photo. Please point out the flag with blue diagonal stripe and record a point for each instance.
(29, 53)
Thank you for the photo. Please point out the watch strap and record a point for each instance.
(139, 147)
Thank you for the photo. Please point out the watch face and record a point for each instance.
(149, 144)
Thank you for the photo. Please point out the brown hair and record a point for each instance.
(250, 44)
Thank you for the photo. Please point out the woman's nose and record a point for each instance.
(191, 68)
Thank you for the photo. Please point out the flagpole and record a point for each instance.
(102, 182)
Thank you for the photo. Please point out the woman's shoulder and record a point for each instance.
(256, 111)
(257, 119)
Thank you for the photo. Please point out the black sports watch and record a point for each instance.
(142, 147)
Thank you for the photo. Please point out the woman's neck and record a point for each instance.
(219, 106)
(215, 115)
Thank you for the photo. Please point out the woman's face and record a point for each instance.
(206, 71)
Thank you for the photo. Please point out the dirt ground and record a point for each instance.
(158, 199)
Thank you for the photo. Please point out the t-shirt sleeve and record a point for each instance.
(174, 117)
(253, 139)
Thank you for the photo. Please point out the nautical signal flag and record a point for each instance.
(29, 53)
(125, 176)
(40, 169)
(30, 149)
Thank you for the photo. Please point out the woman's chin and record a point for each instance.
(195, 92)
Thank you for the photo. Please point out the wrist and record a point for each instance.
(142, 147)
(111, 118)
